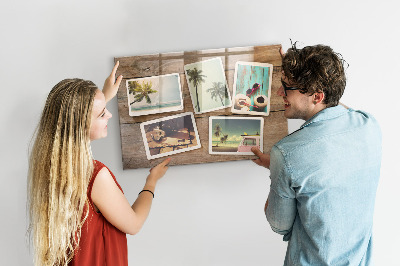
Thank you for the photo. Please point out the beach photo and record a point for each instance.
(170, 135)
(235, 135)
(152, 95)
(252, 88)
(207, 85)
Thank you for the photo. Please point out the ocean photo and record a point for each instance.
(153, 95)
(156, 106)
(235, 135)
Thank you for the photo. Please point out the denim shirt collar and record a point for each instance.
(326, 114)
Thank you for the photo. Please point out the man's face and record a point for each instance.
(297, 104)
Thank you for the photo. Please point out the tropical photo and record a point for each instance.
(235, 135)
(207, 85)
(170, 135)
(153, 95)
(252, 88)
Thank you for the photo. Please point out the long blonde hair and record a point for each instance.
(60, 168)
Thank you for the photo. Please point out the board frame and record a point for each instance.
(133, 150)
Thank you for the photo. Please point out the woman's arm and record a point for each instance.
(114, 206)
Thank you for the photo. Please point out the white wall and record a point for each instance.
(203, 214)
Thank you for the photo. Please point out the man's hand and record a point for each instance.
(263, 159)
(111, 85)
(281, 52)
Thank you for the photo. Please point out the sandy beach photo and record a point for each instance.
(152, 95)
(235, 135)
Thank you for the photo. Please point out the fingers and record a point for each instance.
(162, 164)
(257, 151)
(118, 82)
(281, 52)
(257, 161)
(165, 162)
(114, 71)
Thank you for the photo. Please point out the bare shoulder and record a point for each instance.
(103, 184)
(103, 174)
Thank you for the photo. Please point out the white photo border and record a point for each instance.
(210, 134)
(146, 146)
(233, 110)
(159, 110)
(226, 84)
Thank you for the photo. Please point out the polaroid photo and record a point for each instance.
(235, 135)
(152, 95)
(207, 85)
(170, 135)
(252, 88)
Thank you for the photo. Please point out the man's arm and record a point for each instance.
(280, 208)
(262, 160)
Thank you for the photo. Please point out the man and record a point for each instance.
(323, 176)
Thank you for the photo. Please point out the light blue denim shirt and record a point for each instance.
(323, 183)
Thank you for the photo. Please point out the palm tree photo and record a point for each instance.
(224, 138)
(218, 90)
(141, 91)
(218, 133)
(197, 78)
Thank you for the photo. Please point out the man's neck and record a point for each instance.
(318, 108)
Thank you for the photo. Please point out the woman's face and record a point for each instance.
(100, 116)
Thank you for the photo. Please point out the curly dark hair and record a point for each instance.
(316, 69)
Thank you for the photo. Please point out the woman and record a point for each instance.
(78, 212)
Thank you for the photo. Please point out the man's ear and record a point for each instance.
(318, 97)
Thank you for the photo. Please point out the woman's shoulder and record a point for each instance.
(103, 170)
(98, 164)
(97, 167)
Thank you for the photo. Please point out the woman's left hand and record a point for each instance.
(111, 85)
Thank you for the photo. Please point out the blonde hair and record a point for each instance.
(60, 168)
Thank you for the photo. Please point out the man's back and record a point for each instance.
(330, 175)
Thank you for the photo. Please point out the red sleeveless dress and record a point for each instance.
(101, 243)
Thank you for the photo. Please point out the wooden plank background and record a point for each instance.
(133, 152)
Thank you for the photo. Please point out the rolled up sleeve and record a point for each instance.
(281, 210)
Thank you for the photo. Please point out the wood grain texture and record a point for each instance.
(133, 151)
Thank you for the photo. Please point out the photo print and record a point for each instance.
(170, 135)
(207, 85)
(235, 135)
(152, 95)
(252, 88)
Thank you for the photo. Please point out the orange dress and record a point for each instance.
(101, 243)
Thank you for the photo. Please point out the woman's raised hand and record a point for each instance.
(111, 85)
